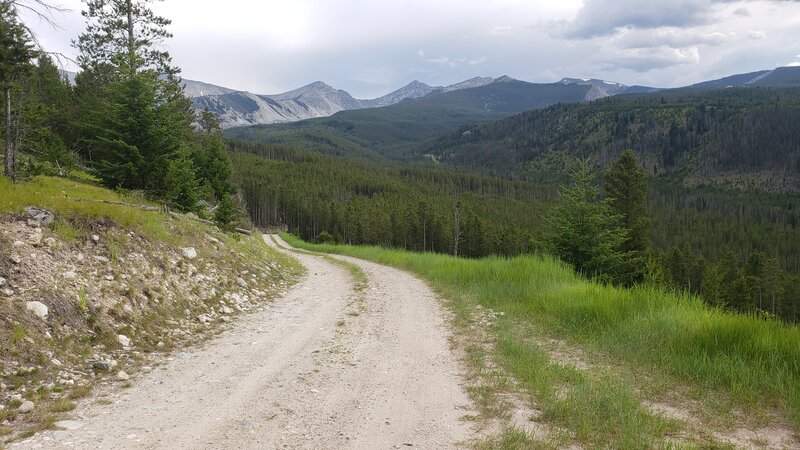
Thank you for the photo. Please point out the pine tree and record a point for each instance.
(180, 182)
(626, 187)
(585, 232)
(137, 119)
(16, 53)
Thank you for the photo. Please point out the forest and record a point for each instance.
(741, 138)
(739, 250)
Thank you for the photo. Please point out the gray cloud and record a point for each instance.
(602, 18)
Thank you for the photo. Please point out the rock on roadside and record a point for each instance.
(37, 308)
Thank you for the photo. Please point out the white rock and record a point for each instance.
(160, 344)
(68, 424)
(26, 407)
(122, 376)
(2, 281)
(102, 259)
(95, 238)
(123, 340)
(70, 275)
(189, 253)
(37, 308)
(15, 259)
(56, 362)
(203, 318)
(240, 281)
(224, 309)
(7, 292)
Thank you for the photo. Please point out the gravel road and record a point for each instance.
(324, 366)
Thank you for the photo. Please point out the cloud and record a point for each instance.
(794, 63)
(647, 59)
(756, 35)
(741, 12)
(500, 30)
(603, 18)
(671, 37)
(447, 61)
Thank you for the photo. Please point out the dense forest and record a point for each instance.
(695, 234)
(744, 138)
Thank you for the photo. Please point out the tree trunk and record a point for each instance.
(10, 161)
(457, 231)
(131, 41)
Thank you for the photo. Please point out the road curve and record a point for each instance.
(324, 366)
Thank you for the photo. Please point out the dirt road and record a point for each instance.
(323, 367)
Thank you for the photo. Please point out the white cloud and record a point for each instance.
(500, 30)
(647, 59)
(756, 35)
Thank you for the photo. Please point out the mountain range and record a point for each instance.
(241, 108)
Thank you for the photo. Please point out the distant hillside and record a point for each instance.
(780, 77)
(739, 137)
(399, 129)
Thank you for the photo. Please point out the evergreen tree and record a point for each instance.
(138, 120)
(16, 53)
(626, 187)
(585, 232)
(226, 216)
(180, 182)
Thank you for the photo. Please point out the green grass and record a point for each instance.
(662, 338)
(66, 198)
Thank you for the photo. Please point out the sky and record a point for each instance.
(372, 47)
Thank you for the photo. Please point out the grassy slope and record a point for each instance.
(656, 345)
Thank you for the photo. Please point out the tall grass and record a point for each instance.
(755, 361)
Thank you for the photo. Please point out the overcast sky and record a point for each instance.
(371, 47)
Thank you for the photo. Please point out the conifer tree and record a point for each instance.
(16, 53)
(626, 187)
(585, 232)
(138, 119)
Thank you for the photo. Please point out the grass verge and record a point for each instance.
(653, 341)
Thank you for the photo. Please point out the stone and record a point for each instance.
(95, 238)
(123, 340)
(160, 344)
(2, 281)
(37, 308)
(101, 365)
(122, 376)
(240, 281)
(189, 253)
(56, 362)
(7, 292)
(26, 407)
(68, 424)
(70, 275)
(225, 309)
(42, 217)
(101, 259)
(15, 258)
(203, 318)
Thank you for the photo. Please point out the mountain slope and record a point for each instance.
(399, 129)
(780, 77)
(741, 137)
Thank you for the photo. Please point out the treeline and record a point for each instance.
(741, 138)
(125, 119)
(392, 206)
